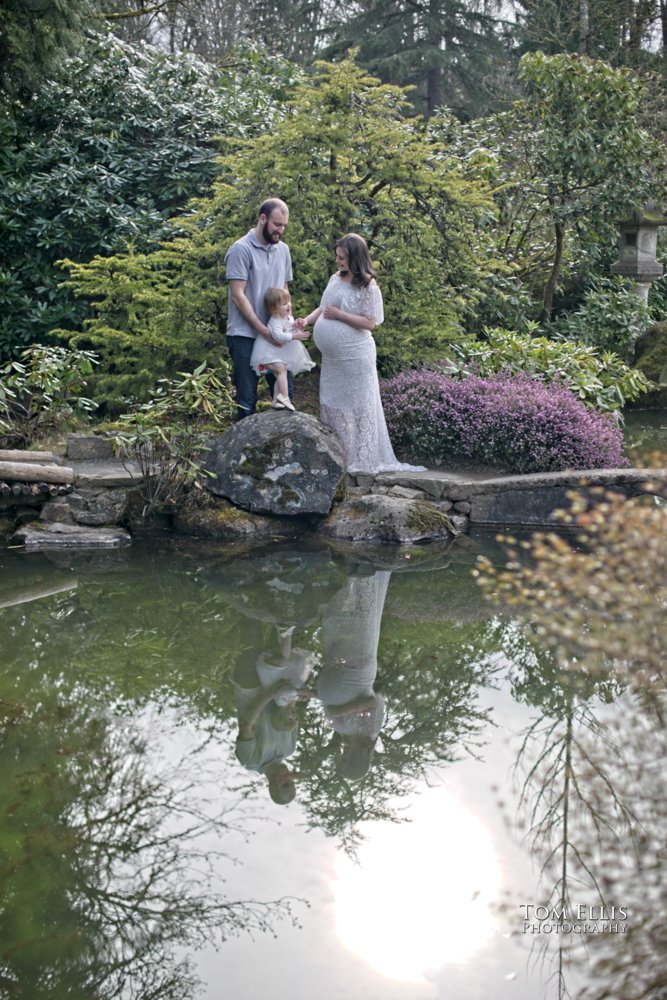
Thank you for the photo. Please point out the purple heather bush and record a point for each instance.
(513, 422)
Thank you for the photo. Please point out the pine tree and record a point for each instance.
(449, 50)
(34, 38)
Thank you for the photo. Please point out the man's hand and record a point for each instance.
(266, 333)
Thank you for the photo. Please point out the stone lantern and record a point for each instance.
(637, 249)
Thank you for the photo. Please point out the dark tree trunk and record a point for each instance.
(552, 283)
(584, 28)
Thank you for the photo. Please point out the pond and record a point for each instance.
(645, 434)
(443, 780)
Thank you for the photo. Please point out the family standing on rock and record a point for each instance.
(258, 267)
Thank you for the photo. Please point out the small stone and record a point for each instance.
(213, 517)
(460, 523)
(40, 535)
(376, 518)
(406, 492)
(57, 510)
(89, 448)
(364, 479)
(98, 506)
(462, 506)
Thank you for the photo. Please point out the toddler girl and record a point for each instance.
(292, 356)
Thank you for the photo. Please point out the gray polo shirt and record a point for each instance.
(261, 267)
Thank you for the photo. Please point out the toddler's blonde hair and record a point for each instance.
(275, 297)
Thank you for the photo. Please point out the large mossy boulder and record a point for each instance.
(651, 359)
(277, 462)
(381, 518)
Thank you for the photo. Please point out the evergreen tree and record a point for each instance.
(620, 32)
(449, 50)
(344, 158)
(34, 38)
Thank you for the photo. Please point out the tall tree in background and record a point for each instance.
(589, 154)
(620, 31)
(448, 49)
(34, 38)
(212, 28)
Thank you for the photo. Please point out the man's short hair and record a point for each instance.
(270, 205)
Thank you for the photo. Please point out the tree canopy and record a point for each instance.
(345, 158)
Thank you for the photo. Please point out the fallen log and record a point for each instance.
(25, 472)
(14, 455)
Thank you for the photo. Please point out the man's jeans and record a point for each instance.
(244, 377)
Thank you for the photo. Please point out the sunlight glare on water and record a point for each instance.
(419, 896)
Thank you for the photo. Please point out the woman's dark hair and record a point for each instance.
(359, 260)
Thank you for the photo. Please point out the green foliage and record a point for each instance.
(616, 627)
(611, 316)
(600, 379)
(100, 159)
(565, 164)
(41, 391)
(447, 49)
(344, 158)
(34, 39)
(166, 435)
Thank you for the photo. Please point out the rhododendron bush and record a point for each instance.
(512, 422)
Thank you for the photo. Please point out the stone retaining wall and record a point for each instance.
(406, 508)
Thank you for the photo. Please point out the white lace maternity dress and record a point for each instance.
(349, 389)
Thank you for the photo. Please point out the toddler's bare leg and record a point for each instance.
(280, 371)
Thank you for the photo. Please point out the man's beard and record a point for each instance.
(268, 236)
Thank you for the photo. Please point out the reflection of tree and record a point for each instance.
(141, 631)
(634, 965)
(103, 874)
(595, 785)
(564, 822)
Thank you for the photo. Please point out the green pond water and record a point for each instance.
(446, 781)
(645, 434)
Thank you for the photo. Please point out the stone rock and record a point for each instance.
(89, 448)
(651, 359)
(462, 506)
(98, 506)
(406, 492)
(218, 519)
(460, 523)
(57, 510)
(278, 463)
(378, 518)
(39, 535)
(107, 475)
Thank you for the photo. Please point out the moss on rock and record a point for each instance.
(424, 517)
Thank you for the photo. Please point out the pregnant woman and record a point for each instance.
(351, 307)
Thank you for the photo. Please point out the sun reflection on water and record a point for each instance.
(419, 896)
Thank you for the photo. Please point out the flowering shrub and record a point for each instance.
(511, 421)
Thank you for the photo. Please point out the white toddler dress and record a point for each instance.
(292, 354)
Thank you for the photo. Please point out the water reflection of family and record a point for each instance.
(270, 686)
